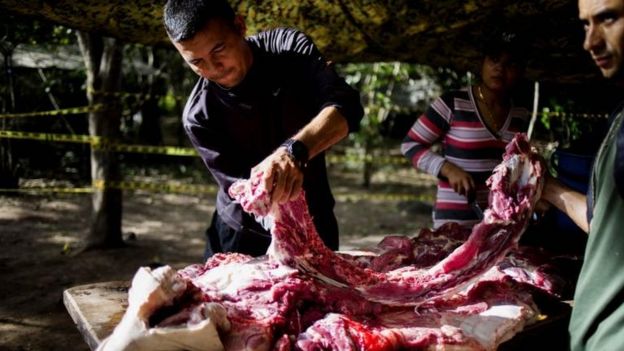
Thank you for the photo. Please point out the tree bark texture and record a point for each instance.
(103, 58)
(9, 179)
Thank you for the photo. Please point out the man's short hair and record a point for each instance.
(185, 18)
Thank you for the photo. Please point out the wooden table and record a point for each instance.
(97, 309)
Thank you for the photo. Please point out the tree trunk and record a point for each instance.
(149, 131)
(103, 58)
(9, 178)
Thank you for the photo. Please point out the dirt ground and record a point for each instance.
(40, 236)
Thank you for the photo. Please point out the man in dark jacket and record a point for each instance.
(267, 105)
(597, 321)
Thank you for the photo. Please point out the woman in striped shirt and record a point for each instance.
(473, 126)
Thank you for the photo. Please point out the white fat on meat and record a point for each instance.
(493, 326)
(230, 279)
(151, 290)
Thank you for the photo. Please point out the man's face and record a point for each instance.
(603, 21)
(218, 53)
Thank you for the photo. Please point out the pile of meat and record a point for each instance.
(444, 289)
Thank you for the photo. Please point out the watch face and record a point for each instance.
(297, 150)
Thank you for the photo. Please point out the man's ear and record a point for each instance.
(239, 24)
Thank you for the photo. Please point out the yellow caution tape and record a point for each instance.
(100, 143)
(122, 185)
(55, 190)
(575, 115)
(11, 134)
(64, 111)
(148, 149)
(384, 197)
(169, 187)
(100, 184)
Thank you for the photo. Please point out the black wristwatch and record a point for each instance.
(298, 151)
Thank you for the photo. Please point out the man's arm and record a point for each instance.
(282, 176)
(325, 130)
(339, 109)
(570, 202)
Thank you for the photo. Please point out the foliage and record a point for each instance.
(22, 30)
(168, 102)
(375, 83)
(157, 78)
(388, 88)
(571, 130)
(381, 83)
(154, 83)
(25, 90)
(563, 127)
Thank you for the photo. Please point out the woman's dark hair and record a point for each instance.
(509, 42)
(185, 18)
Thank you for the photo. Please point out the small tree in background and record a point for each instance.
(387, 88)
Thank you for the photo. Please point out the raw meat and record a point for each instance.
(457, 293)
(271, 306)
(515, 187)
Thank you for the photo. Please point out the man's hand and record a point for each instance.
(459, 179)
(281, 176)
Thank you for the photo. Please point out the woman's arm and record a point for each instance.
(429, 128)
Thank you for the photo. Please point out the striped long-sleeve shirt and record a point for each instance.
(454, 120)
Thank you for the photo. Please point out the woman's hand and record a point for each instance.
(459, 179)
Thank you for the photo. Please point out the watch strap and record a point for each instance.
(298, 151)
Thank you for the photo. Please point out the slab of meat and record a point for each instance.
(457, 293)
(515, 186)
(270, 306)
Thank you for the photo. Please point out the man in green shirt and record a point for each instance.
(597, 321)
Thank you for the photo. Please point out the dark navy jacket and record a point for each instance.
(233, 130)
